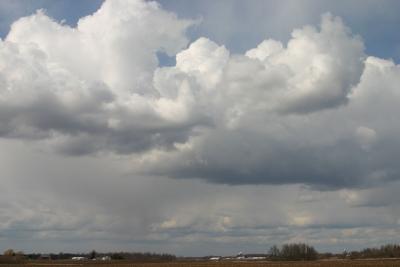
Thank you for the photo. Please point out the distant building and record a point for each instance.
(45, 257)
(78, 258)
(106, 258)
(240, 256)
(256, 258)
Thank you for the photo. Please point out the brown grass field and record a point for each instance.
(335, 263)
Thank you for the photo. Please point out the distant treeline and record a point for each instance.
(289, 252)
(131, 256)
(386, 251)
(306, 252)
(137, 256)
(293, 252)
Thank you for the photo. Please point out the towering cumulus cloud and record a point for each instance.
(88, 88)
(314, 111)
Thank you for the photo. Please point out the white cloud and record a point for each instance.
(322, 65)
(277, 114)
(66, 84)
(308, 113)
(261, 117)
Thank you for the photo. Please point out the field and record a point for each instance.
(337, 263)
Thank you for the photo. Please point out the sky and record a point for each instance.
(198, 128)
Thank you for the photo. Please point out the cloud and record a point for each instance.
(68, 85)
(306, 112)
(314, 111)
(351, 145)
(322, 65)
(54, 203)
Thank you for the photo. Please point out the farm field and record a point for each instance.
(336, 263)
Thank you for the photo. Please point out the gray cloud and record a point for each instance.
(278, 114)
(96, 205)
(56, 86)
(343, 139)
